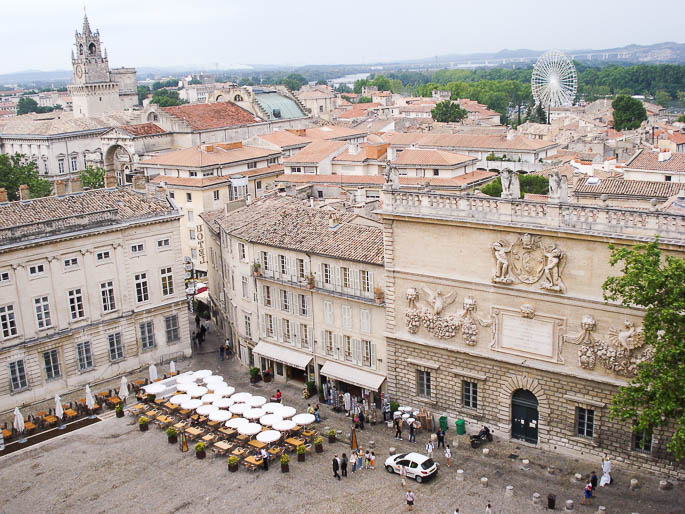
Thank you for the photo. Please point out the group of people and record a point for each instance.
(591, 483)
(199, 335)
(314, 410)
(358, 460)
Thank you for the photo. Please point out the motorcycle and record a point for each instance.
(483, 435)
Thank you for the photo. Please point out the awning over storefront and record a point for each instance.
(351, 375)
(280, 354)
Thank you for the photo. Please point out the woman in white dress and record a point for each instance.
(606, 473)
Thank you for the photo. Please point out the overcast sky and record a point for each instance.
(38, 34)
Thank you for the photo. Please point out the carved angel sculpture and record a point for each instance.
(437, 300)
(630, 338)
(501, 248)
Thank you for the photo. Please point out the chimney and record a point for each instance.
(60, 188)
(24, 192)
(208, 148)
(110, 179)
(311, 201)
(664, 156)
(354, 148)
(3, 195)
(139, 183)
(160, 192)
(76, 185)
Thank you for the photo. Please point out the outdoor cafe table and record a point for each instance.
(70, 413)
(227, 432)
(239, 452)
(164, 419)
(194, 431)
(170, 406)
(180, 425)
(50, 420)
(294, 442)
(253, 462)
(257, 444)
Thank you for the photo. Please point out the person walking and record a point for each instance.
(606, 473)
(367, 459)
(336, 466)
(593, 481)
(410, 499)
(448, 455)
(310, 409)
(373, 460)
(343, 465)
(353, 460)
(588, 493)
(221, 352)
(317, 416)
(398, 428)
(412, 432)
(429, 449)
(441, 437)
(403, 475)
(360, 459)
(197, 321)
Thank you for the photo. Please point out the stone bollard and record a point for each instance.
(486, 451)
(537, 500)
(577, 478)
(434, 438)
(392, 450)
(509, 491)
(484, 482)
(460, 475)
(633, 484)
(665, 485)
(569, 505)
(525, 464)
(602, 510)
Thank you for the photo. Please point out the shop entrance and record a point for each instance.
(524, 416)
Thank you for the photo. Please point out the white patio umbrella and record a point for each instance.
(224, 390)
(206, 410)
(90, 401)
(220, 415)
(202, 373)
(213, 386)
(284, 426)
(249, 428)
(241, 397)
(272, 407)
(304, 419)
(186, 386)
(238, 408)
(268, 436)
(19, 423)
(180, 399)
(213, 378)
(123, 389)
(236, 422)
(59, 411)
(153, 372)
(254, 413)
(172, 367)
(186, 378)
(197, 391)
(191, 404)
(256, 401)
(269, 419)
(223, 403)
(286, 412)
(209, 398)
(155, 388)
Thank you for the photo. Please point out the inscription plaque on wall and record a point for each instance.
(532, 337)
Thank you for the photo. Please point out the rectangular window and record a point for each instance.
(423, 383)
(102, 256)
(116, 348)
(193, 253)
(8, 321)
(269, 321)
(365, 281)
(300, 269)
(642, 441)
(345, 272)
(70, 263)
(469, 394)
(167, 281)
(347, 316)
(366, 353)
(42, 312)
(265, 261)
(267, 296)
(272, 160)
(248, 325)
(304, 310)
(171, 327)
(85, 355)
(60, 166)
(51, 361)
(242, 253)
(285, 300)
(304, 335)
(137, 249)
(365, 321)
(191, 233)
(287, 331)
(328, 341)
(4, 277)
(172, 195)
(142, 294)
(251, 165)
(326, 273)
(328, 312)
(216, 195)
(107, 292)
(76, 304)
(259, 184)
(191, 217)
(18, 378)
(189, 197)
(74, 163)
(585, 422)
(163, 244)
(347, 347)
(283, 264)
(246, 287)
(36, 269)
(147, 334)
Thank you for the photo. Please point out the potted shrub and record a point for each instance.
(200, 452)
(310, 281)
(318, 444)
(256, 269)
(378, 294)
(267, 375)
(331, 435)
(300, 453)
(285, 467)
(119, 410)
(142, 423)
(172, 435)
(150, 398)
(254, 375)
(311, 388)
(233, 463)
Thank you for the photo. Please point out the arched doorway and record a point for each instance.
(524, 416)
(118, 160)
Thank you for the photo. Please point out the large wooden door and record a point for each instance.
(524, 416)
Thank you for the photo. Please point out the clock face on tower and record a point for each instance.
(78, 71)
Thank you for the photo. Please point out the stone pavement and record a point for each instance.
(112, 466)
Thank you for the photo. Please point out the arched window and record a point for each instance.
(92, 48)
(238, 98)
(80, 49)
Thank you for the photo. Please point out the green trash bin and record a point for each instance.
(461, 426)
(443, 423)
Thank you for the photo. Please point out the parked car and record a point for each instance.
(196, 288)
(419, 467)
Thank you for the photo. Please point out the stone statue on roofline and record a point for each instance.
(558, 187)
(511, 189)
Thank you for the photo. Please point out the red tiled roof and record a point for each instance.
(212, 116)
(466, 141)
(461, 180)
(283, 138)
(617, 186)
(143, 129)
(645, 160)
(197, 156)
(431, 158)
(315, 152)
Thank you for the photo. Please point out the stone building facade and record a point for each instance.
(495, 314)
(91, 287)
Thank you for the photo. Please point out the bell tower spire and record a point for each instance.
(86, 25)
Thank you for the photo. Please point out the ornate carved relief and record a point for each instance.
(527, 311)
(619, 355)
(529, 261)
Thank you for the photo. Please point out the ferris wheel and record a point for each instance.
(554, 82)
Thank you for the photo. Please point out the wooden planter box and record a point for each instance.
(285, 468)
(201, 455)
(318, 448)
(331, 439)
(300, 457)
(233, 467)
(143, 428)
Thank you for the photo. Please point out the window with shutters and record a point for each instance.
(116, 348)
(423, 383)
(248, 325)
(303, 305)
(266, 292)
(328, 312)
(171, 328)
(326, 270)
(147, 334)
(300, 269)
(52, 368)
(282, 264)
(287, 331)
(365, 281)
(142, 294)
(18, 379)
(365, 321)
(347, 347)
(328, 342)
(85, 356)
(347, 316)
(76, 304)
(366, 354)
(585, 422)
(285, 300)
(107, 293)
(8, 321)
(269, 325)
(265, 261)
(242, 252)
(167, 281)
(345, 273)
(245, 287)
(304, 335)
(42, 306)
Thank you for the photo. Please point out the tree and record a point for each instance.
(656, 283)
(448, 112)
(538, 115)
(629, 112)
(194, 81)
(27, 105)
(294, 81)
(321, 82)
(663, 98)
(534, 184)
(167, 98)
(143, 91)
(93, 178)
(343, 88)
(681, 118)
(16, 170)
(364, 100)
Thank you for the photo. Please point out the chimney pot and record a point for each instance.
(24, 192)
(139, 183)
(110, 179)
(60, 188)
(76, 185)
(160, 192)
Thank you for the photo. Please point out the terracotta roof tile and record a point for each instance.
(332, 132)
(196, 156)
(457, 182)
(143, 129)
(212, 116)
(617, 186)
(315, 152)
(420, 157)
(285, 139)
(645, 160)
(464, 141)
